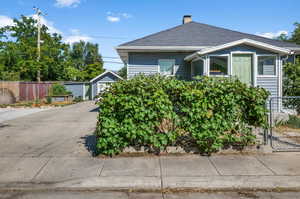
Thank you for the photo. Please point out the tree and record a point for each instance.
(87, 59)
(283, 37)
(296, 33)
(19, 52)
(123, 72)
(59, 61)
(291, 80)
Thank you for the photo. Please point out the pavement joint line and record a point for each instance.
(161, 178)
(266, 166)
(102, 168)
(40, 170)
(213, 164)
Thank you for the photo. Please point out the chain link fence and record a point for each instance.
(284, 123)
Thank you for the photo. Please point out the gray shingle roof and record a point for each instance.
(198, 34)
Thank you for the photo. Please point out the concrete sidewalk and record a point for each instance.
(192, 172)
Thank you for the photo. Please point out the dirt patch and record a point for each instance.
(285, 129)
(292, 134)
(7, 96)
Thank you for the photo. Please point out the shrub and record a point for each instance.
(58, 89)
(78, 99)
(156, 112)
(48, 100)
(291, 84)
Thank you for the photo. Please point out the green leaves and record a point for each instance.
(59, 61)
(157, 112)
(58, 89)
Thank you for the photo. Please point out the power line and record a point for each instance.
(107, 57)
(97, 36)
(113, 62)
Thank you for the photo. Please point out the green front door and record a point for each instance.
(242, 67)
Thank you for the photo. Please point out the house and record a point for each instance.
(79, 89)
(195, 49)
(102, 81)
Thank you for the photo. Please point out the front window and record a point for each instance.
(266, 65)
(197, 68)
(218, 65)
(166, 66)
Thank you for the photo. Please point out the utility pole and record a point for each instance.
(38, 13)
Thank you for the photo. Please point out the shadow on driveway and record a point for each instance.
(95, 110)
(90, 143)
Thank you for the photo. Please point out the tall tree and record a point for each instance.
(19, 52)
(87, 59)
(296, 34)
(59, 61)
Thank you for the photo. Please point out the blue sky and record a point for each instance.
(113, 22)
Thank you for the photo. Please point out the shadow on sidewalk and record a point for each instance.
(89, 142)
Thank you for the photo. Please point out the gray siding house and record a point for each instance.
(195, 49)
(79, 89)
(102, 81)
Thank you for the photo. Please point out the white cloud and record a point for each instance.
(75, 31)
(126, 15)
(67, 3)
(49, 24)
(6, 21)
(76, 37)
(273, 35)
(113, 19)
(116, 17)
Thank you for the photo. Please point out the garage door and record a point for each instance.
(102, 86)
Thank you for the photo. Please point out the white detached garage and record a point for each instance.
(102, 81)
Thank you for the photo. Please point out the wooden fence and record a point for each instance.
(26, 91)
(33, 90)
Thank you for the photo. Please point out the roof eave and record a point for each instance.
(104, 73)
(250, 42)
(161, 48)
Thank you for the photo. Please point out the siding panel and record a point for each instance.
(271, 85)
(76, 89)
(141, 69)
(147, 63)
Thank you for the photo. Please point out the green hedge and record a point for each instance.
(156, 112)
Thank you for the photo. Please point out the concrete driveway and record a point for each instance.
(14, 113)
(58, 132)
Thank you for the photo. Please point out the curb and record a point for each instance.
(168, 184)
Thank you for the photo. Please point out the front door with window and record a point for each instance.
(242, 67)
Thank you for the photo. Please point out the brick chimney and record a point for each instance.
(187, 19)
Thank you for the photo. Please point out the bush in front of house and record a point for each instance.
(156, 112)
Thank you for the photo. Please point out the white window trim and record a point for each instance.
(83, 91)
(219, 55)
(277, 59)
(173, 70)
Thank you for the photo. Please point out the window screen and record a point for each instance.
(218, 65)
(266, 65)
